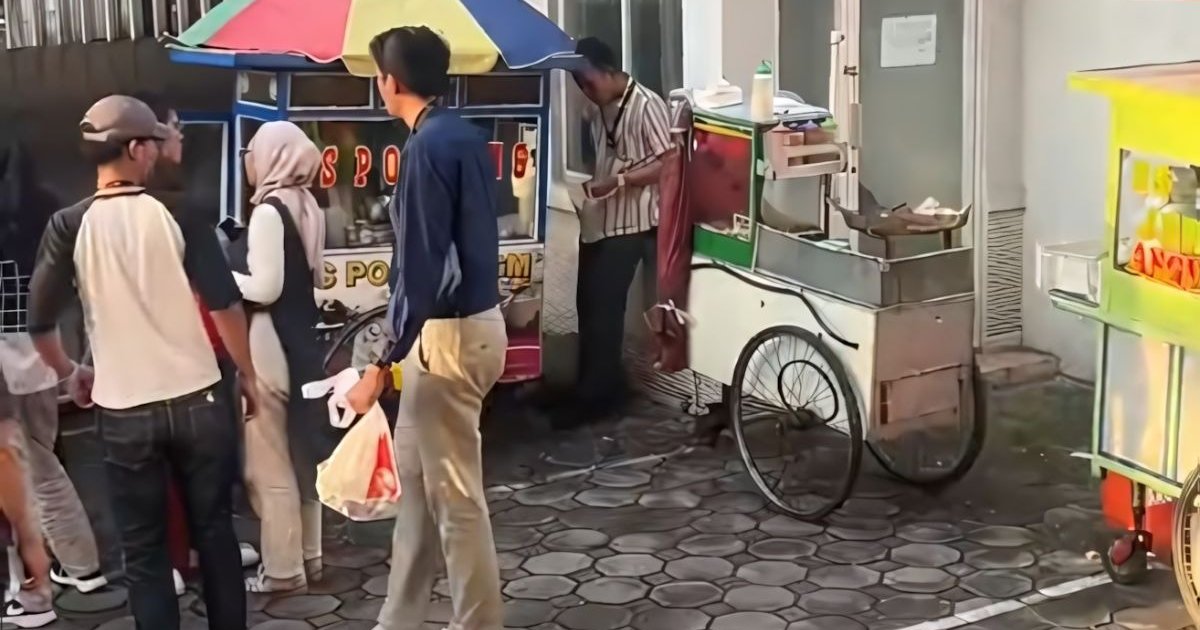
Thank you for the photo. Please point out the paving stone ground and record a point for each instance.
(677, 538)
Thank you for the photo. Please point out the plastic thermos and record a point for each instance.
(762, 94)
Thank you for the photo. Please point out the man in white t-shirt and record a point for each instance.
(135, 265)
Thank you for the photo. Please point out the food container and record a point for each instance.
(1072, 268)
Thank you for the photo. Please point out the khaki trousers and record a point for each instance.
(291, 528)
(443, 510)
(64, 521)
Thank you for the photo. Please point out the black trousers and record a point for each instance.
(606, 270)
(192, 438)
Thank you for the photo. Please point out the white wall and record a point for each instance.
(1065, 133)
(748, 39)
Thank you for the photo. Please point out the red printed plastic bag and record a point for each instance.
(360, 479)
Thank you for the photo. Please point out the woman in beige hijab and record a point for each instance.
(283, 248)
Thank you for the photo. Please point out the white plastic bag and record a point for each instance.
(360, 479)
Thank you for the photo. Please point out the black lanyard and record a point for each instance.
(611, 132)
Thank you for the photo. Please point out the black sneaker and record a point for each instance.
(85, 584)
(14, 613)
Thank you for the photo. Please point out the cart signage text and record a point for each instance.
(389, 170)
(1178, 270)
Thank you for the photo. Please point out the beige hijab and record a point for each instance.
(282, 162)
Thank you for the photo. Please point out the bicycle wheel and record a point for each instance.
(797, 421)
(936, 451)
(1185, 545)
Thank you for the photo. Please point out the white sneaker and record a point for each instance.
(85, 584)
(250, 555)
(15, 614)
(180, 586)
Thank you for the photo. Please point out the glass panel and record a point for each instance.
(912, 114)
(1158, 222)
(720, 175)
(804, 49)
(360, 167)
(656, 33)
(204, 165)
(502, 90)
(257, 87)
(330, 90)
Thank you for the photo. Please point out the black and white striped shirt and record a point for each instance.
(629, 134)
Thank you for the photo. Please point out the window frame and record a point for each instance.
(198, 118)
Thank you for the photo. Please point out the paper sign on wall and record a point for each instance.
(909, 40)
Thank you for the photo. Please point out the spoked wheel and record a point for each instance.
(1186, 545)
(939, 446)
(797, 421)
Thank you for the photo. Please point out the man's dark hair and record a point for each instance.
(598, 54)
(101, 153)
(416, 57)
(158, 104)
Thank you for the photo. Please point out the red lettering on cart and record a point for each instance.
(329, 159)
(362, 166)
(391, 165)
(1175, 269)
(329, 279)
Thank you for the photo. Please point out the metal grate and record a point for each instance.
(14, 296)
(53, 22)
(1003, 276)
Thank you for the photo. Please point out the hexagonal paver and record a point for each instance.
(646, 543)
(827, 623)
(782, 526)
(557, 563)
(783, 549)
(526, 613)
(575, 540)
(613, 590)
(716, 545)
(929, 556)
(914, 607)
(1086, 609)
(772, 573)
(670, 499)
(919, 581)
(686, 594)
(724, 524)
(543, 587)
(525, 516)
(547, 494)
(620, 477)
(932, 533)
(377, 585)
(302, 606)
(670, 618)
(102, 600)
(833, 601)
(607, 497)
(997, 584)
(353, 557)
(1069, 563)
(747, 620)
(852, 552)
(629, 565)
(736, 503)
(1002, 536)
(1000, 559)
(514, 538)
(699, 568)
(843, 576)
(595, 617)
(869, 508)
(760, 598)
(861, 529)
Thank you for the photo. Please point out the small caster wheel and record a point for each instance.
(1127, 559)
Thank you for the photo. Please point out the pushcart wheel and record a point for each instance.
(1185, 544)
(940, 454)
(359, 342)
(797, 421)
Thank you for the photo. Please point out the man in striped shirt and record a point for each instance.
(631, 132)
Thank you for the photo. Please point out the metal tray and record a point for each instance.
(832, 267)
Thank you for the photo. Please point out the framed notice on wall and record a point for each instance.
(909, 40)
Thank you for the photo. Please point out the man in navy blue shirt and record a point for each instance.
(449, 336)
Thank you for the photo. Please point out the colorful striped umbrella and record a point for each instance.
(480, 32)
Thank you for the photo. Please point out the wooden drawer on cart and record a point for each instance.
(914, 339)
(919, 403)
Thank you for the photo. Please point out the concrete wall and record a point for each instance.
(1065, 134)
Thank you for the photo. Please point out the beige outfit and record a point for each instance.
(443, 509)
(37, 600)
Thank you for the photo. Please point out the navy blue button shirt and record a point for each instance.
(444, 215)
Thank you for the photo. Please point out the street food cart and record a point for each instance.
(307, 61)
(824, 344)
(1141, 283)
